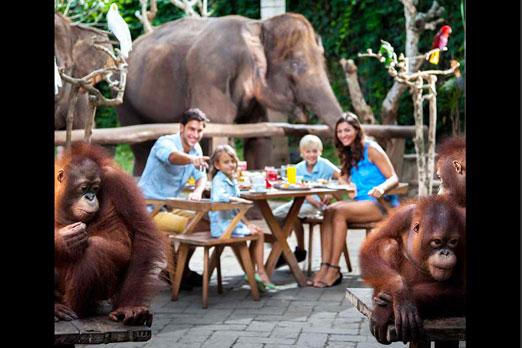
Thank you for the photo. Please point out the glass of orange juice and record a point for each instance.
(291, 172)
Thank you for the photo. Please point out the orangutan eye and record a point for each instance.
(416, 227)
(436, 242)
(453, 242)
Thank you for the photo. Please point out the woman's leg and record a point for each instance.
(326, 240)
(341, 215)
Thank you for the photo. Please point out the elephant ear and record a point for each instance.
(86, 57)
(252, 34)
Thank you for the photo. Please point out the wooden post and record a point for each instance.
(432, 128)
(70, 114)
(216, 141)
(270, 8)
(89, 122)
(419, 137)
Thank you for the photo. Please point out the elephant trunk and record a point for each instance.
(321, 99)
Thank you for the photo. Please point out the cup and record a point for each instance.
(271, 176)
(283, 172)
(291, 172)
(258, 183)
(299, 179)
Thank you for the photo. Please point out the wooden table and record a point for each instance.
(96, 330)
(281, 234)
(445, 332)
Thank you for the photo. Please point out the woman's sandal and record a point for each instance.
(311, 282)
(336, 282)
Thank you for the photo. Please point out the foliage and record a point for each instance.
(346, 27)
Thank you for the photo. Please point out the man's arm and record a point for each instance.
(198, 190)
(180, 158)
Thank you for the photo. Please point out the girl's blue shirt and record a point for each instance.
(223, 188)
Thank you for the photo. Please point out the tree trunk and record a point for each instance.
(363, 110)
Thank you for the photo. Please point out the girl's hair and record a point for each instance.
(350, 155)
(311, 141)
(215, 157)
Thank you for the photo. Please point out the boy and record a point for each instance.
(312, 168)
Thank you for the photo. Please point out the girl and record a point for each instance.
(225, 189)
(366, 165)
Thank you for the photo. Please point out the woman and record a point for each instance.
(366, 166)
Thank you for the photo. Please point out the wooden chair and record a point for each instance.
(312, 221)
(188, 238)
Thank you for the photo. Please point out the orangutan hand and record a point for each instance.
(379, 320)
(72, 239)
(408, 322)
(138, 315)
(62, 312)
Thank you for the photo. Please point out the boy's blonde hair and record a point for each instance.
(311, 141)
(215, 157)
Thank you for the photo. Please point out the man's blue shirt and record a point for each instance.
(160, 178)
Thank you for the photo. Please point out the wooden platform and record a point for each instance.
(442, 329)
(98, 329)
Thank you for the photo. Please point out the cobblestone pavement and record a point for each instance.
(289, 316)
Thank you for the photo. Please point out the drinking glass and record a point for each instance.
(291, 172)
(283, 173)
(271, 176)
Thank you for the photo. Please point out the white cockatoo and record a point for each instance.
(57, 78)
(120, 29)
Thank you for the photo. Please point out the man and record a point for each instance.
(172, 161)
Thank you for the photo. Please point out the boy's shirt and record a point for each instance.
(323, 169)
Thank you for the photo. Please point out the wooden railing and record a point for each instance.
(139, 133)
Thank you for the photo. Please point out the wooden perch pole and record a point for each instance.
(95, 97)
(415, 80)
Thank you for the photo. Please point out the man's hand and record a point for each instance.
(195, 195)
(200, 162)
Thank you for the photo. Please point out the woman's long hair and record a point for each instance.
(350, 155)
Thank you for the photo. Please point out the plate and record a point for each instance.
(291, 188)
(318, 186)
(253, 191)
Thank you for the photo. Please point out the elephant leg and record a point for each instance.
(256, 150)
(141, 153)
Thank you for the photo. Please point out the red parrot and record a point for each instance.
(439, 41)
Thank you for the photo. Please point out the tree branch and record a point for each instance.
(362, 109)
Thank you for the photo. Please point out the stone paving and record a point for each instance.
(289, 316)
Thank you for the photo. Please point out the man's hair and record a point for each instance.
(193, 114)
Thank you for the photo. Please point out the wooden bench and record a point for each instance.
(445, 332)
(312, 221)
(98, 329)
(190, 239)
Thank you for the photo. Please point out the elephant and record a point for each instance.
(74, 52)
(232, 68)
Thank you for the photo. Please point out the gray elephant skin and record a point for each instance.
(233, 68)
(74, 52)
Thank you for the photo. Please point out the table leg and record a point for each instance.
(281, 245)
